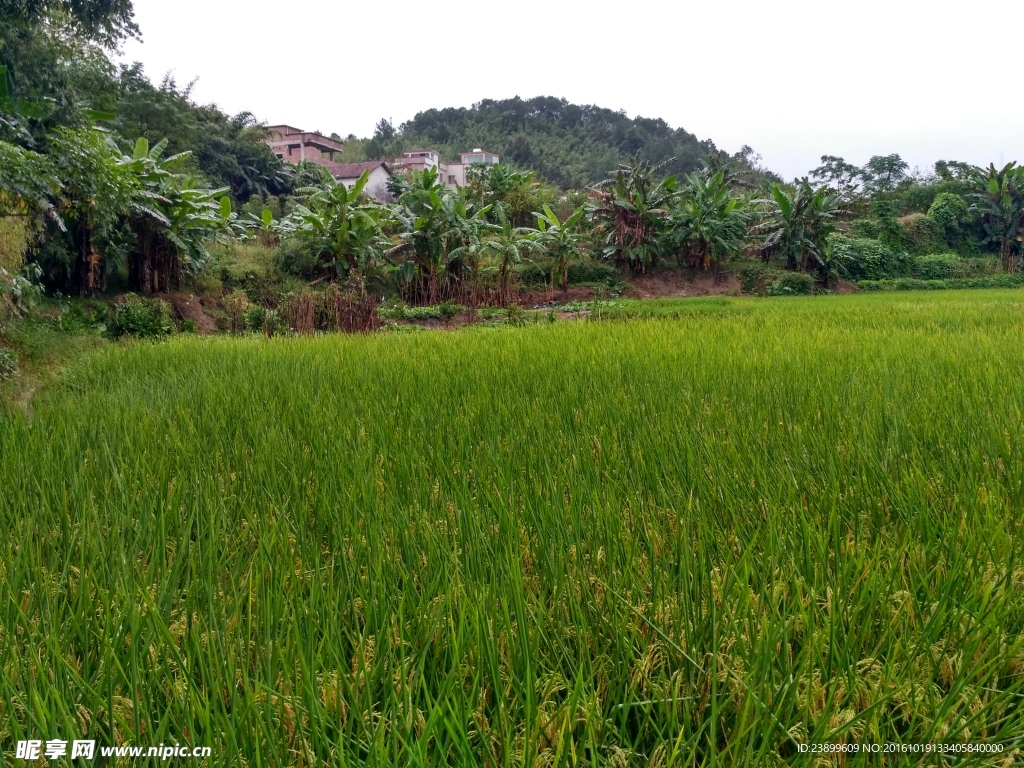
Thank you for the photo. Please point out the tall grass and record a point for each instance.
(688, 541)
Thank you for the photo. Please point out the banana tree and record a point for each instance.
(709, 225)
(561, 240)
(171, 218)
(796, 225)
(341, 226)
(438, 233)
(999, 199)
(508, 245)
(632, 212)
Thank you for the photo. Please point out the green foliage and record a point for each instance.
(8, 364)
(866, 259)
(132, 315)
(96, 191)
(501, 187)
(919, 234)
(791, 284)
(797, 224)
(172, 219)
(999, 200)
(20, 292)
(561, 240)
(884, 173)
(709, 224)
(632, 214)
(936, 266)
(950, 212)
(340, 226)
(188, 325)
(585, 272)
(1014, 280)
(225, 151)
(253, 318)
(441, 236)
(444, 311)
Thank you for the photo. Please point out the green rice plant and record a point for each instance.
(702, 539)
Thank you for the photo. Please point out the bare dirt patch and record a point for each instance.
(189, 307)
(673, 285)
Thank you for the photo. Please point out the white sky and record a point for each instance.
(795, 79)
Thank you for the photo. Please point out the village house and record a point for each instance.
(451, 174)
(294, 145)
(377, 183)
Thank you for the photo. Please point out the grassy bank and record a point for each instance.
(652, 542)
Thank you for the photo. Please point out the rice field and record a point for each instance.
(713, 537)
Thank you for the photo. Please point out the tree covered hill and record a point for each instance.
(570, 145)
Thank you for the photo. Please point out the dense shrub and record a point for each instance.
(791, 284)
(592, 272)
(538, 273)
(135, 316)
(862, 258)
(8, 364)
(949, 212)
(296, 257)
(256, 269)
(869, 229)
(763, 280)
(910, 284)
(919, 233)
(936, 266)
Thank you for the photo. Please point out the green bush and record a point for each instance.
(135, 316)
(254, 268)
(919, 234)
(764, 280)
(582, 272)
(589, 271)
(254, 316)
(868, 229)
(862, 258)
(8, 364)
(949, 212)
(910, 284)
(297, 258)
(188, 325)
(936, 266)
(533, 274)
(791, 284)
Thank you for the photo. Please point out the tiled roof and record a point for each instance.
(355, 170)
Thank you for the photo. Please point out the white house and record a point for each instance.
(376, 185)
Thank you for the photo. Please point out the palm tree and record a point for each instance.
(709, 225)
(999, 198)
(632, 212)
(797, 225)
(560, 239)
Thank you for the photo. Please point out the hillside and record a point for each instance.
(569, 145)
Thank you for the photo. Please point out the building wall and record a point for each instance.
(455, 175)
(376, 185)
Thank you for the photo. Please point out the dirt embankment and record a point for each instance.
(185, 306)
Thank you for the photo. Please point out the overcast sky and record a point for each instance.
(795, 79)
